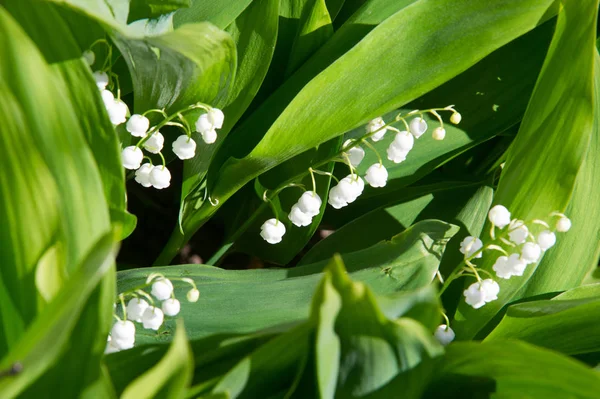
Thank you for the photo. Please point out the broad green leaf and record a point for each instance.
(254, 33)
(579, 248)
(220, 13)
(570, 326)
(511, 369)
(170, 377)
(263, 298)
(317, 115)
(49, 335)
(140, 9)
(539, 176)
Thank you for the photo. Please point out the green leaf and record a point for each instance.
(49, 335)
(170, 377)
(220, 13)
(263, 298)
(139, 9)
(511, 369)
(539, 176)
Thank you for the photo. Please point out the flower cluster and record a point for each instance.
(348, 189)
(143, 309)
(518, 245)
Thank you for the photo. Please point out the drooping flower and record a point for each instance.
(272, 231)
(310, 203)
(376, 175)
(160, 177)
(470, 245)
(162, 289)
(184, 147)
(403, 141)
(132, 157)
(508, 266)
(155, 143)
(209, 136)
(444, 334)
(89, 57)
(298, 217)
(531, 252)
(171, 307)
(193, 295)
(439, 133)
(499, 216)
(455, 118)
(418, 126)
(135, 309)
(563, 224)
(480, 293)
(123, 334)
(152, 318)
(101, 79)
(108, 98)
(396, 155)
(117, 112)
(546, 239)
(137, 125)
(518, 232)
(207, 124)
(142, 175)
(346, 191)
(374, 126)
(355, 154)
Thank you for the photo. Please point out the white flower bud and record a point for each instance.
(455, 118)
(193, 295)
(374, 125)
(155, 143)
(546, 239)
(403, 141)
(531, 252)
(209, 136)
(117, 112)
(519, 234)
(506, 267)
(142, 175)
(89, 57)
(563, 224)
(418, 126)
(160, 177)
(478, 294)
(135, 309)
(439, 133)
(123, 335)
(298, 217)
(444, 334)
(499, 216)
(171, 307)
(470, 245)
(101, 79)
(310, 203)
(184, 147)
(376, 175)
(162, 289)
(153, 318)
(132, 157)
(137, 125)
(216, 118)
(355, 154)
(272, 231)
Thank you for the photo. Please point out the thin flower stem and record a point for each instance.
(372, 147)
(439, 118)
(123, 307)
(160, 111)
(312, 177)
(163, 160)
(446, 319)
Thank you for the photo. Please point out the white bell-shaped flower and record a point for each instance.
(531, 252)
(418, 126)
(110, 347)
(131, 157)
(90, 57)
(396, 155)
(272, 231)
(209, 136)
(336, 199)
(216, 117)
(480, 293)
(142, 175)
(508, 266)
(491, 289)
(455, 118)
(135, 309)
(404, 141)
(355, 154)
(184, 147)
(518, 232)
(203, 123)
(377, 175)
(152, 318)
(101, 79)
(351, 187)
(563, 224)
(123, 334)
(137, 125)
(117, 112)
(499, 216)
(310, 203)
(298, 217)
(155, 143)
(546, 239)
(444, 334)
(108, 98)
(374, 126)
(193, 295)
(171, 307)
(160, 177)
(162, 289)
(439, 133)
(470, 245)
